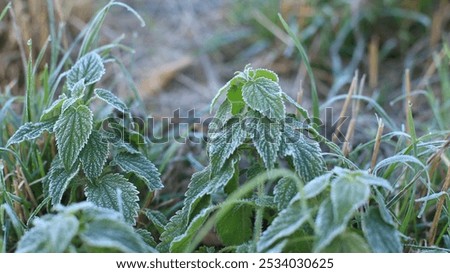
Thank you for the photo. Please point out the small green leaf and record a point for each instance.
(51, 234)
(317, 185)
(111, 99)
(78, 89)
(266, 136)
(93, 156)
(113, 235)
(264, 96)
(300, 109)
(182, 242)
(225, 142)
(175, 227)
(141, 166)
(88, 68)
(348, 193)
(348, 242)
(284, 225)
(284, 191)
(72, 130)
(115, 192)
(73, 101)
(53, 110)
(223, 115)
(381, 235)
(266, 73)
(58, 179)
(235, 81)
(234, 96)
(305, 154)
(30, 131)
(158, 219)
(235, 226)
(327, 227)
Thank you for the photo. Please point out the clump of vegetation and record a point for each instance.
(77, 171)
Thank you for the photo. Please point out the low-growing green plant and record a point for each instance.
(257, 207)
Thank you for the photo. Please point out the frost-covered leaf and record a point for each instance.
(305, 154)
(284, 225)
(88, 68)
(266, 73)
(327, 227)
(111, 99)
(78, 88)
(115, 192)
(51, 234)
(114, 235)
(235, 81)
(235, 227)
(147, 237)
(348, 193)
(348, 242)
(381, 235)
(317, 185)
(224, 142)
(58, 179)
(264, 96)
(284, 191)
(30, 131)
(204, 183)
(223, 114)
(300, 109)
(266, 136)
(72, 130)
(74, 101)
(175, 227)
(93, 156)
(54, 110)
(158, 219)
(141, 166)
(183, 241)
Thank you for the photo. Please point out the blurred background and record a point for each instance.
(189, 48)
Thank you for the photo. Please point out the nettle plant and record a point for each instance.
(249, 199)
(100, 155)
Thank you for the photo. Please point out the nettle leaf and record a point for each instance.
(74, 101)
(158, 219)
(288, 221)
(264, 96)
(54, 110)
(141, 166)
(93, 156)
(72, 131)
(175, 227)
(51, 234)
(265, 73)
(88, 68)
(111, 99)
(300, 109)
(113, 235)
(223, 115)
(284, 191)
(78, 89)
(381, 235)
(30, 131)
(266, 136)
(115, 192)
(317, 185)
(203, 183)
(348, 193)
(183, 241)
(348, 242)
(305, 154)
(327, 227)
(225, 142)
(235, 227)
(58, 179)
(234, 96)
(235, 81)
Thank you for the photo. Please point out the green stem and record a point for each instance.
(259, 217)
